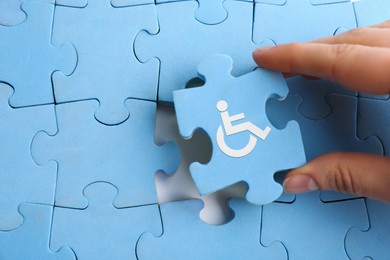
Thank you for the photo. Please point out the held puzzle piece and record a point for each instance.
(311, 229)
(193, 41)
(124, 155)
(372, 242)
(187, 237)
(21, 180)
(31, 239)
(102, 231)
(285, 23)
(109, 73)
(246, 147)
(28, 57)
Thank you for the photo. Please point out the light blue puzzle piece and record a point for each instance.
(187, 237)
(334, 133)
(31, 239)
(374, 121)
(370, 12)
(107, 68)
(311, 229)
(244, 155)
(193, 41)
(373, 241)
(102, 231)
(11, 13)
(87, 151)
(125, 3)
(28, 58)
(300, 21)
(21, 180)
(314, 93)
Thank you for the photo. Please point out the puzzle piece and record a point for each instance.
(314, 93)
(237, 159)
(124, 3)
(108, 71)
(313, 2)
(87, 151)
(31, 239)
(300, 20)
(187, 237)
(192, 41)
(19, 175)
(28, 58)
(373, 241)
(373, 121)
(370, 12)
(11, 13)
(334, 133)
(311, 229)
(102, 231)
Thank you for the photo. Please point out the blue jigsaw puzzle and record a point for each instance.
(21, 180)
(246, 147)
(193, 41)
(102, 231)
(187, 237)
(11, 13)
(31, 239)
(280, 20)
(328, 222)
(109, 73)
(124, 155)
(374, 241)
(28, 58)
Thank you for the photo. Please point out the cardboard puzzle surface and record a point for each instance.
(84, 154)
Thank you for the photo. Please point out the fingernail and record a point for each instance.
(263, 49)
(300, 183)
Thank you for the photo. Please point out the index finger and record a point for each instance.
(358, 67)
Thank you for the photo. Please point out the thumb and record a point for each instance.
(360, 174)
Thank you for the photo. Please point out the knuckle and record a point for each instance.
(340, 54)
(340, 178)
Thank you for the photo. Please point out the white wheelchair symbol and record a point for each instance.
(228, 128)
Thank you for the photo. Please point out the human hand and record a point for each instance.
(359, 59)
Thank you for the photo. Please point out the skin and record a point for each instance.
(359, 59)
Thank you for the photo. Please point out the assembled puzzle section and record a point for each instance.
(87, 151)
(182, 42)
(28, 58)
(246, 147)
(102, 231)
(21, 179)
(374, 241)
(31, 239)
(187, 237)
(107, 69)
(300, 20)
(311, 229)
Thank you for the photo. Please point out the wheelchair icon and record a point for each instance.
(227, 128)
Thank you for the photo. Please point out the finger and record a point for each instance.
(357, 67)
(355, 173)
(368, 36)
(384, 25)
